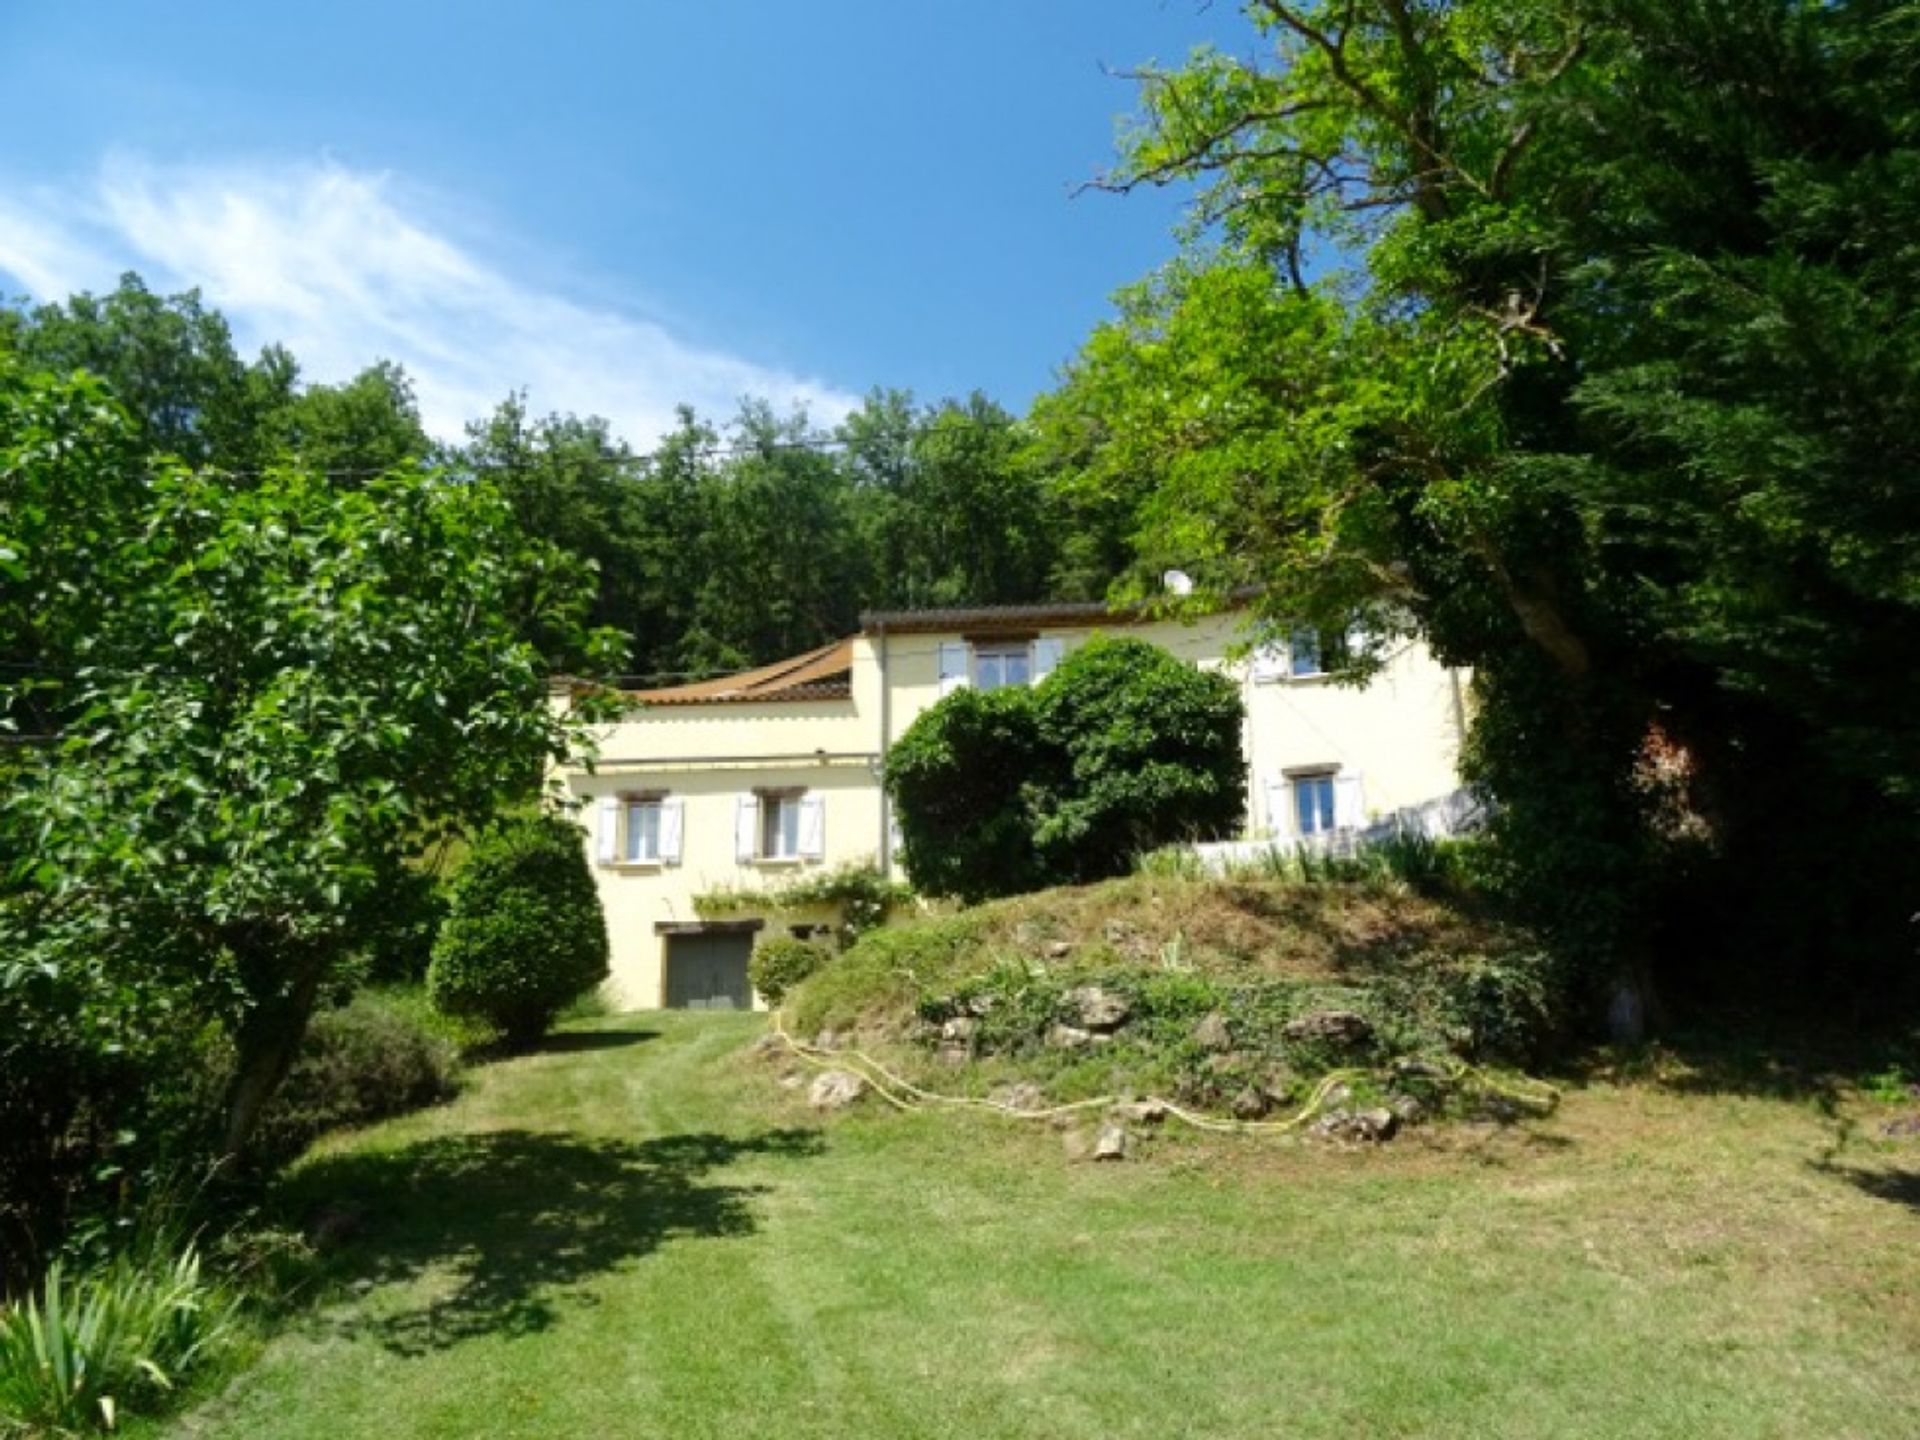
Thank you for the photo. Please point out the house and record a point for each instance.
(747, 782)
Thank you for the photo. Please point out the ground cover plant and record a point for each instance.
(1230, 995)
(633, 1231)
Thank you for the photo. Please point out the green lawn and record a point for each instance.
(637, 1233)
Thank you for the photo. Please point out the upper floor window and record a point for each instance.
(989, 663)
(643, 831)
(780, 825)
(640, 829)
(997, 665)
(1303, 653)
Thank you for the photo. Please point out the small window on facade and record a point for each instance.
(998, 665)
(643, 831)
(1313, 804)
(1303, 653)
(779, 827)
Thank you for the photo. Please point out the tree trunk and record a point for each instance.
(268, 1040)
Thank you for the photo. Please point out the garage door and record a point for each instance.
(709, 971)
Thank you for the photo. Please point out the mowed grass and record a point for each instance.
(638, 1233)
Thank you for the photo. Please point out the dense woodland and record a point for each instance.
(1580, 338)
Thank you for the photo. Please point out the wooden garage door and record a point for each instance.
(709, 971)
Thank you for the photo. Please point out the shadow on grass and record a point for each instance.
(503, 1229)
(1813, 1065)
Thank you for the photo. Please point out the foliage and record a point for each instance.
(959, 782)
(779, 964)
(1606, 407)
(1123, 748)
(859, 892)
(358, 1063)
(87, 1348)
(268, 700)
(1152, 752)
(524, 932)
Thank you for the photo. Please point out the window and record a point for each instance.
(1303, 653)
(997, 665)
(1313, 804)
(779, 827)
(990, 664)
(641, 829)
(643, 832)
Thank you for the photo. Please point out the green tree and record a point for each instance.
(171, 362)
(282, 693)
(1606, 407)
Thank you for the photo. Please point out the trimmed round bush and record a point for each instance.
(1152, 757)
(524, 933)
(783, 962)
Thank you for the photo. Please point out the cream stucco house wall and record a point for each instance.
(745, 782)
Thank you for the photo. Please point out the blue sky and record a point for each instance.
(617, 206)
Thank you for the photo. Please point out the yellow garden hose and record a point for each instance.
(1535, 1096)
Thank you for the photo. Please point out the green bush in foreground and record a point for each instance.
(85, 1349)
(524, 933)
(783, 962)
(357, 1064)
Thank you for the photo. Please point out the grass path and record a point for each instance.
(637, 1234)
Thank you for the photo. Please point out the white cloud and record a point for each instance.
(334, 264)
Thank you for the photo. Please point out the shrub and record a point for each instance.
(360, 1063)
(783, 962)
(524, 932)
(1122, 750)
(83, 1350)
(1152, 754)
(959, 780)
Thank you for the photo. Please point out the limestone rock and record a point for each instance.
(1059, 950)
(1021, 1095)
(1112, 1143)
(960, 1030)
(1139, 1112)
(1213, 1032)
(1362, 1126)
(1068, 1037)
(1098, 1008)
(828, 1040)
(835, 1089)
(1249, 1104)
(1337, 1027)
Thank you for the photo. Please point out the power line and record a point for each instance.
(731, 451)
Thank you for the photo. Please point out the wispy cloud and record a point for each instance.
(338, 266)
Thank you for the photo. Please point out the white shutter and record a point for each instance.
(1348, 813)
(746, 829)
(1279, 807)
(673, 818)
(609, 829)
(813, 827)
(953, 666)
(1047, 651)
(1270, 662)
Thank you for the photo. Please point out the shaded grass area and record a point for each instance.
(640, 1239)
